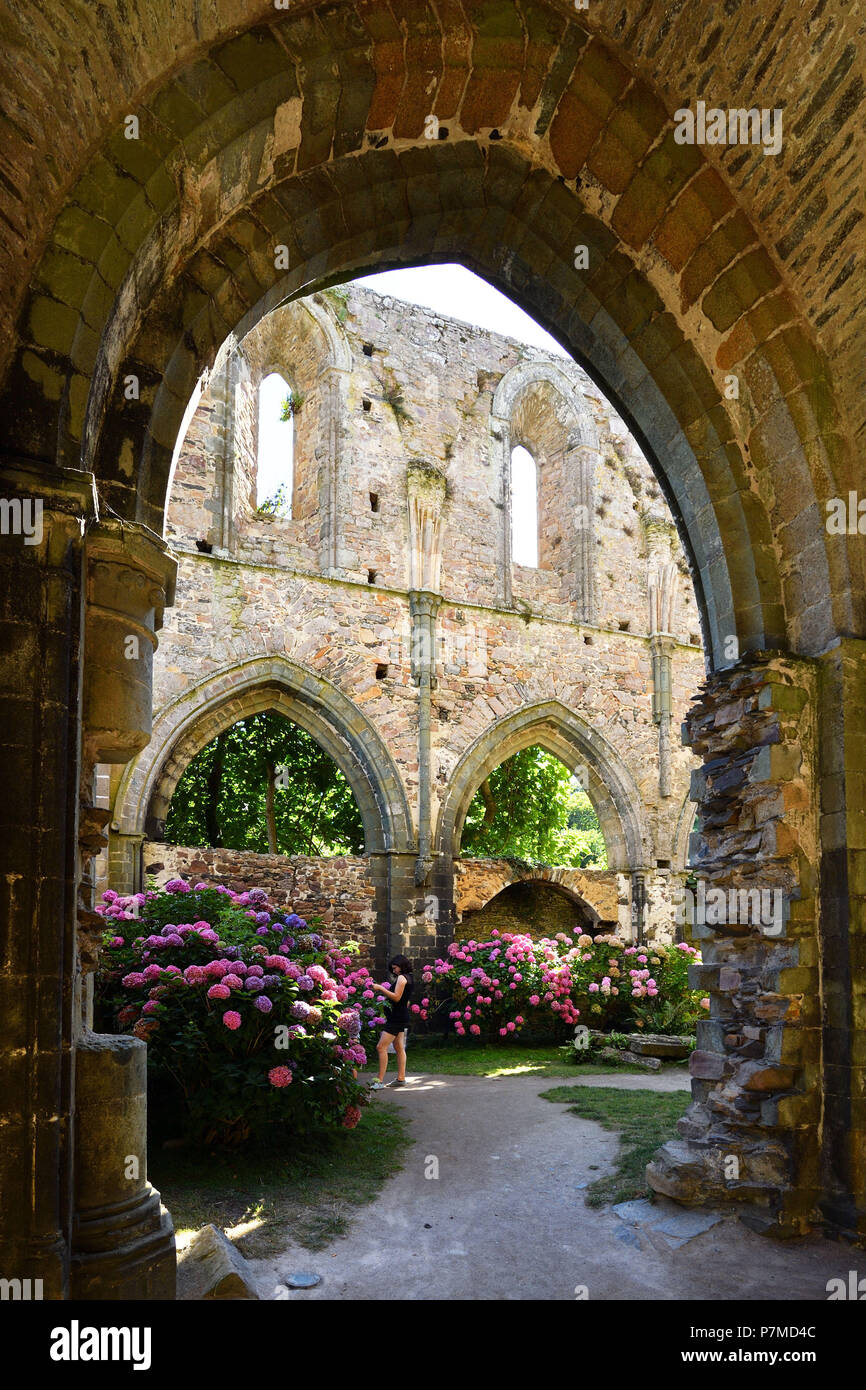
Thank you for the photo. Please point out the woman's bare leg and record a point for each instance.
(400, 1049)
(385, 1041)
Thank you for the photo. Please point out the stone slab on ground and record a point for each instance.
(677, 1224)
(612, 1056)
(661, 1045)
(211, 1267)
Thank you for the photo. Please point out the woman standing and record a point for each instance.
(396, 1020)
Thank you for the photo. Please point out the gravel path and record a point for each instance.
(505, 1218)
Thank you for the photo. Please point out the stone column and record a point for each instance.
(662, 586)
(842, 748)
(638, 905)
(423, 608)
(751, 1133)
(426, 487)
(582, 465)
(500, 459)
(44, 512)
(662, 649)
(334, 384)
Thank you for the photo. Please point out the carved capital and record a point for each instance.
(130, 580)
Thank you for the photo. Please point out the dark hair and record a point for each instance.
(403, 962)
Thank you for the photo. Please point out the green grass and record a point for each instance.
(307, 1195)
(469, 1059)
(644, 1119)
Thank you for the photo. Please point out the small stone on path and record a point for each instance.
(303, 1281)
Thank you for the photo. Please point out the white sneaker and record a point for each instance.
(378, 1086)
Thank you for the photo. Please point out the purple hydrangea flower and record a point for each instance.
(300, 1010)
(304, 982)
(263, 1004)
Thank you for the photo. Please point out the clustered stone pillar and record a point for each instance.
(661, 654)
(423, 607)
(41, 630)
(842, 744)
(426, 488)
(80, 601)
(582, 461)
(751, 1132)
(334, 386)
(122, 1244)
(662, 585)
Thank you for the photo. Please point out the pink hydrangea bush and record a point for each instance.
(252, 1016)
(497, 988)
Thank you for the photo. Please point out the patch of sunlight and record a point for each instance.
(183, 1238)
(517, 1071)
(244, 1227)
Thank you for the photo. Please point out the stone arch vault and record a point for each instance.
(128, 262)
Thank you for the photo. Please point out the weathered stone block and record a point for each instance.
(211, 1267)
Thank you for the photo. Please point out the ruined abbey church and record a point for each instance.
(388, 617)
(182, 189)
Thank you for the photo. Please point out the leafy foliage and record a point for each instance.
(530, 808)
(291, 404)
(232, 795)
(278, 504)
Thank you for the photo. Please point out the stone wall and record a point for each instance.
(338, 891)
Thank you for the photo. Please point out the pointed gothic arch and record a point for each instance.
(610, 786)
(191, 721)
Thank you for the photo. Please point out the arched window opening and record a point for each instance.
(524, 508)
(267, 786)
(532, 807)
(275, 457)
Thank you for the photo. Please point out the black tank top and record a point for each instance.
(399, 1006)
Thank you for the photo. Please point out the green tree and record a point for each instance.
(265, 785)
(530, 807)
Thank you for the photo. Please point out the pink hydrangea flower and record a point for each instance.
(232, 1020)
(280, 1076)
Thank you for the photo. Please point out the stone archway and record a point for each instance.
(192, 720)
(560, 731)
(130, 262)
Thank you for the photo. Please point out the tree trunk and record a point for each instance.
(214, 791)
(489, 804)
(270, 817)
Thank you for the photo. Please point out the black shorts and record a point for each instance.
(396, 1022)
